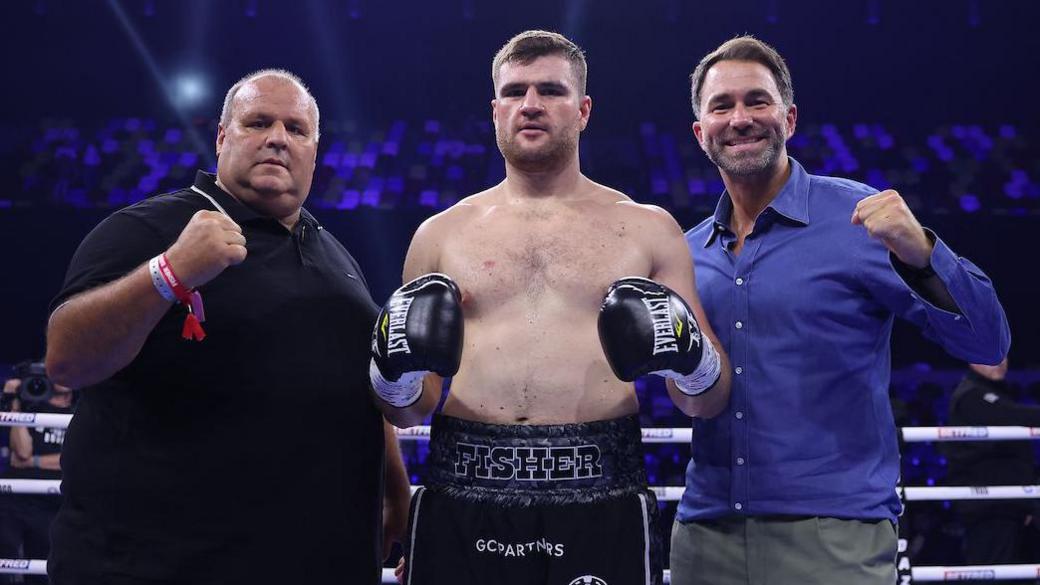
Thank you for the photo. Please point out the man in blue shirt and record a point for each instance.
(802, 277)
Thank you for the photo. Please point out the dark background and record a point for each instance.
(912, 66)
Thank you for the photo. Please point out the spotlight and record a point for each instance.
(188, 90)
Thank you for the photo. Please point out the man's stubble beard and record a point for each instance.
(561, 147)
(744, 166)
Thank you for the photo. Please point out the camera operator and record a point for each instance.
(35, 451)
(995, 531)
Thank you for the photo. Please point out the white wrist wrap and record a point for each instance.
(707, 373)
(400, 393)
(159, 282)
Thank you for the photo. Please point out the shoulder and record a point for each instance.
(455, 216)
(844, 193)
(646, 215)
(164, 211)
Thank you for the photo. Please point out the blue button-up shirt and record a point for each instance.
(805, 313)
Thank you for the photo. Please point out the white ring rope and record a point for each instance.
(666, 493)
(650, 435)
(922, 574)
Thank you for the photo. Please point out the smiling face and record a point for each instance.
(267, 150)
(539, 112)
(744, 125)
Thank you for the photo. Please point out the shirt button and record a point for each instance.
(956, 317)
(740, 281)
(738, 506)
(739, 414)
(739, 325)
(740, 461)
(739, 370)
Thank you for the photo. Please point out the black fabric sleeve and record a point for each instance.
(113, 249)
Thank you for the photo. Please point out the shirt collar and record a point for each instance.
(236, 210)
(791, 202)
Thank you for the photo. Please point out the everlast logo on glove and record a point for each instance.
(393, 325)
(646, 328)
(660, 312)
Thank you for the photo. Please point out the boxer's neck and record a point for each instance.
(561, 181)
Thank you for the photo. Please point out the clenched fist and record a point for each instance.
(208, 244)
(889, 220)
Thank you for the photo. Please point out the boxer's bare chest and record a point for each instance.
(532, 255)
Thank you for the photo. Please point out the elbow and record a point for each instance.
(702, 409)
(62, 370)
(403, 418)
(59, 362)
(709, 404)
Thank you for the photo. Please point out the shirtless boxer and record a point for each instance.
(536, 471)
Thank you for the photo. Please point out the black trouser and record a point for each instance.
(994, 540)
(25, 522)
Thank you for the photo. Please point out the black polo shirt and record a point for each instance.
(254, 456)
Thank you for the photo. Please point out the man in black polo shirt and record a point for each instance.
(220, 336)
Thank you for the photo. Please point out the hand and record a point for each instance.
(646, 328)
(399, 571)
(889, 220)
(208, 244)
(419, 330)
(10, 401)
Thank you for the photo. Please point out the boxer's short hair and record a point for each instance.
(529, 45)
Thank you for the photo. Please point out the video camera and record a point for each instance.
(35, 387)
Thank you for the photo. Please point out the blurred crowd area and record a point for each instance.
(956, 169)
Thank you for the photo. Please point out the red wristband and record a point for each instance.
(191, 299)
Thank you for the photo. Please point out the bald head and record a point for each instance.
(245, 87)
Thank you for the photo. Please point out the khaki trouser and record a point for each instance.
(783, 551)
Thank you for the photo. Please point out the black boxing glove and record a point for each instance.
(645, 328)
(418, 331)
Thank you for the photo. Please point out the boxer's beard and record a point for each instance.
(556, 151)
(746, 164)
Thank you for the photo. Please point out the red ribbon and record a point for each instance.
(191, 299)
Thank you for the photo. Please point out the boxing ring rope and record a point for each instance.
(922, 574)
(650, 435)
(664, 494)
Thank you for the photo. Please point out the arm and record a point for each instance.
(397, 494)
(98, 332)
(957, 306)
(21, 442)
(422, 258)
(673, 267)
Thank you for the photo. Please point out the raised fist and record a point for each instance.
(208, 244)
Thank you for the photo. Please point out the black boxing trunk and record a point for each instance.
(528, 505)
